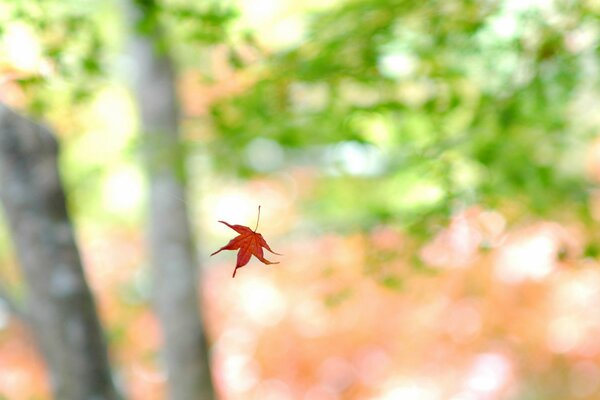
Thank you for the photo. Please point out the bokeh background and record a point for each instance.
(429, 169)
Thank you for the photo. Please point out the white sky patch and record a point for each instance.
(123, 190)
(21, 48)
(397, 65)
(278, 24)
(235, 207)
(355, 158)
(261, 11)
(505, 26)
(288, 31)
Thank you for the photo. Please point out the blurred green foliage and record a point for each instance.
(82, 40)
(80, 82)
(412, 109)
(74, 61)
(407, 110)
(186, 22)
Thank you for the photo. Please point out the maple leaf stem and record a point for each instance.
(257, 220)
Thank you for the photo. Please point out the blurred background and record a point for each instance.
(428, 169)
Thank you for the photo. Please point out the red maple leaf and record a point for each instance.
(249, 242)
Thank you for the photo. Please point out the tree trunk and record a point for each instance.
(172, 252)
(60, 307)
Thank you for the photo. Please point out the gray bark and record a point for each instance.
(60, 306)
(172, 253)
